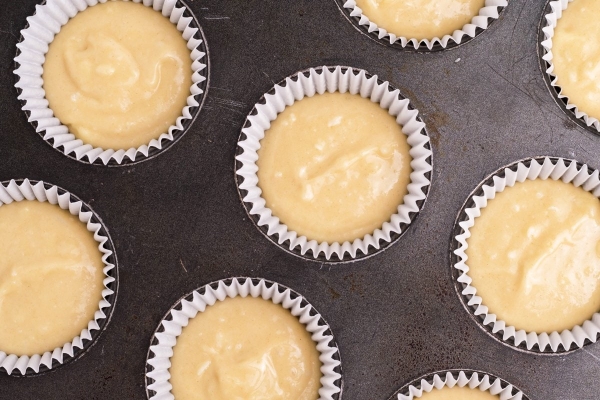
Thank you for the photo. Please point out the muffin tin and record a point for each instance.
(177, 222)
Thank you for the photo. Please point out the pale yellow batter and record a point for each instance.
(50, 277)
(458, 393)
(118, 75)
(534, 255)
(576, 51)
(245, 349)
(421, 19)
(334, 167)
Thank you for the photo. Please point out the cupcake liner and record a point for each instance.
(36, 38)
(476, 380)
(309, 83)
(489, 13)
(569, 171)
(41, 191)
(165, 338)
(554, 13)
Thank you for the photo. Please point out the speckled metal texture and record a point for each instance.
(177, 222)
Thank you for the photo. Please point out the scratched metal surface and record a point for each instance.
(178, 224)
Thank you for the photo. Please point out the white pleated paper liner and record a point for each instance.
(569, 171)
(164, 339)
(489, 13)
(317, 81)
(553, 13)
(476, 380)
(21, 190)
(41, 28)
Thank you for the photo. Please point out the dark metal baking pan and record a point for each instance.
(177, 222)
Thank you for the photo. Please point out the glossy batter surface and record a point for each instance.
(421, 19)
(245, 349)
(534, 255)
(334, 167)
(576, 51)
(50, 277)
(118, 75)
(458, 393)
